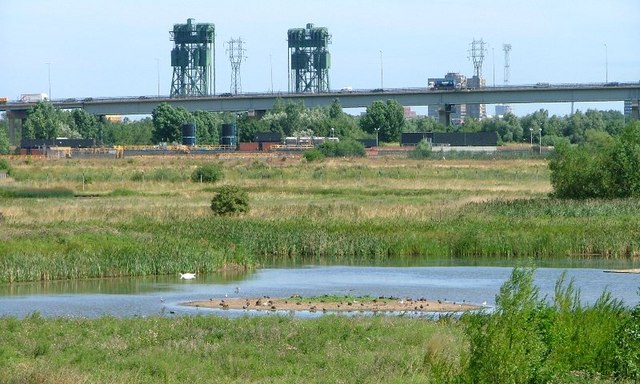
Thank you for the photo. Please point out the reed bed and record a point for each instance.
(144, 216)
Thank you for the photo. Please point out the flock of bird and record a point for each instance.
(191, 276)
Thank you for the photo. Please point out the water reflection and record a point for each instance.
(114, 286)
(164, 295)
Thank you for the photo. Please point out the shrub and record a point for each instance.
(627, 355)
(230, 200)
(5, 166)
(507, 347)
(346, 148)
(421, 151)
(209, 173)
(598, 169)
(313, 155)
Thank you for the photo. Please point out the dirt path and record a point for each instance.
(351, 304)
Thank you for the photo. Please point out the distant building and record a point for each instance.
(503, 109)
(408, 113)
(627, 110)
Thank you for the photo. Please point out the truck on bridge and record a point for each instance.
(33, 97)
(444, 84)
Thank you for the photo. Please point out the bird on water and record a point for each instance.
(187, 276)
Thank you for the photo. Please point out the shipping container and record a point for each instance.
(248, 147)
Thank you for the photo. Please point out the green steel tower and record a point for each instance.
(309, 60)
(193, 59)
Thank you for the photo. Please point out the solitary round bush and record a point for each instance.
(230, 200)
(209, 173)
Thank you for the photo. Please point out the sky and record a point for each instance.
(96, 48)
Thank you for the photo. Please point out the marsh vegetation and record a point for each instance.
(71, 218)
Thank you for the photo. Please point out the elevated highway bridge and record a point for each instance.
(260, 102)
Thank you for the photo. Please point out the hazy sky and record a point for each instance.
(112, 48)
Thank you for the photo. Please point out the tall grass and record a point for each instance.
(214, 350)
(527, 339)
(147, 217)
(33, 193)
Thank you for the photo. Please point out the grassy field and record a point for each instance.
(77, 218)
(71, 218)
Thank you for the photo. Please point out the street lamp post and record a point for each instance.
(381, 72)
(332, 131)
(271, 73)
(49, 78)
(377, 143)
(158, 75)
(606, 64)
(540, 147)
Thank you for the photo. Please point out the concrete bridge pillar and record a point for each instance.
(635, 114)
(444, 114)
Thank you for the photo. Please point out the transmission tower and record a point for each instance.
(477, 52)
(309, 59)
(507, 66)
(476, 55)
(236, 52)
(191, 59)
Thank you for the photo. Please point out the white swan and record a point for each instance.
(188, 276)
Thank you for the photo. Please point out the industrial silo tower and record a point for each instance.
(193, 59)
(309, 60)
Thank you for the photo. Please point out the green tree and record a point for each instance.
(168, 121)
(598, 168)
(623, 164)
(84, 123)
(207, 127)
(284, 118)
(248, 126)
(43, 122)
(423, 124)
(126, 132)
(335, 110)
(4, 140)
(577, 172)
(387, 118)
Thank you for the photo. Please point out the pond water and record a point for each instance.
(163, 295)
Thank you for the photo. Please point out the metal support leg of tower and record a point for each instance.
(444, 114)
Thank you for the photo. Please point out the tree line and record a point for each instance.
(382, 119)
